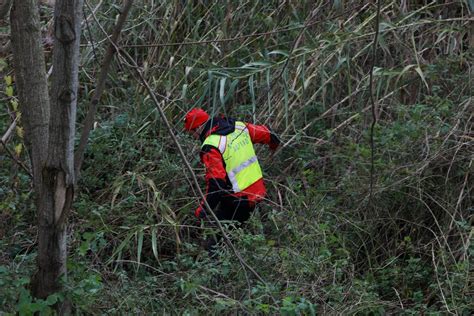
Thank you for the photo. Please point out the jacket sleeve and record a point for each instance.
(212, 160)
(261, 134)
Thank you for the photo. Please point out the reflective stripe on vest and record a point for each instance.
(237, 150)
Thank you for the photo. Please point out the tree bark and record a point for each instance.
(57, 189)
(31, 82)
(50, 126)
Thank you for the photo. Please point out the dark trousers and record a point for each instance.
(233, 208)
(230, 208)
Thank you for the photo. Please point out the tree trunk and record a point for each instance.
(50, 125)
(57, 191)
(31, 82)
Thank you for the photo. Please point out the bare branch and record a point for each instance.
(89, 120)
(4, 140)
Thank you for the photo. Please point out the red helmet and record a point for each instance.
(195, 118)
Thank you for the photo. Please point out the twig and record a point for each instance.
(86, 22)
(399, 298)
(19, 162)
(433, 256)
(458, 203)
(3, 141)
(372, 101)
(9, 131)
(89, 120)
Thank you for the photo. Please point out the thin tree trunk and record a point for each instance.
(31, 83)
(50, 127)
(57, 191)
(104, 70)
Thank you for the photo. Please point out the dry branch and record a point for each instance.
(104, 70)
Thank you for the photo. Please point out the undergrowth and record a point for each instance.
(319, 242)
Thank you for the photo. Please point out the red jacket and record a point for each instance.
(217, 183)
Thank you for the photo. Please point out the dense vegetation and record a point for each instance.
(322, 242)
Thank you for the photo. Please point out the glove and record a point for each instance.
(274, 141)
(200, 212)
(273, 147)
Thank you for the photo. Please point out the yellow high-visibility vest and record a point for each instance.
(241, 163)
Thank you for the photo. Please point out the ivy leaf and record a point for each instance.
(9, 91)
(8, 80)
(14, 104)
(20, 132)
(3, 64)
(18, 149)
